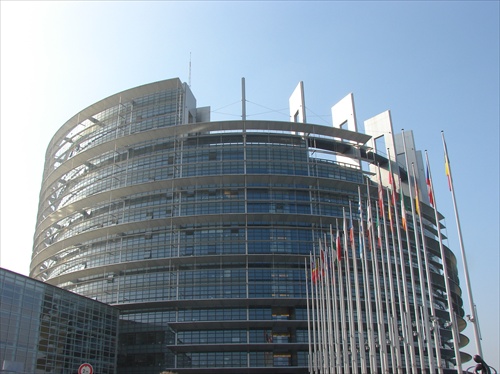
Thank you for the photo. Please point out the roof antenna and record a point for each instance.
(243, 101)
(189, 79)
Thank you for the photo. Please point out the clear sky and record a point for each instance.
(434, 64)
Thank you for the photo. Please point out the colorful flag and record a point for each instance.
(361, 239)
(351, 227)
(447, 170)
(403, 211)
(392, 182)
(360, 207)
(417, 202)
(429, 187)
(389, 210)
(447, 164)
(379, 232)
(314, 271)
(360, 224)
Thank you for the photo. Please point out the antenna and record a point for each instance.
(243, 101)
(189, 79)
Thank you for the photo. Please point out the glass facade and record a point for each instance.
(44, 329)
(196, 230)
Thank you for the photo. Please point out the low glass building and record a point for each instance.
(44, 329)
(198, 231)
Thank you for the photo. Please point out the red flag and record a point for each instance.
(314, 271)
(429, 186)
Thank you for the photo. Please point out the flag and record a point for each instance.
(360, 224)
(392, 182)
(379, 232)
(323, 259)
(417, 202)
(346, 233)
(447, 164)
(369, 225)
(339, 245)
(403, 212)
(380, 193)
(360, 207)
(447, 170)
(361, 237)
(389, 211)
(314, 271)
(351, 233)
(429, 187)
(393, 188)
(332, 243)
(351, 227)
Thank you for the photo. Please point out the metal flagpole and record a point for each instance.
(395, 346)
(333, 301)
(382, 289)
(385, 264)
(415, 324)
(473, 318)
(371, 239)
(323, 315)
(368, 301)
(338, 363)
(309, 361)
(395, 291)
(378, 295)
(362, 350)
(425, 310)
(345, 344)
(407, 349)
(331, 341)
(402, 262)
(313, 311)
(419, 332)
(350, 312)
(328, 311)
(433, 318)
(455, 335)
(360, 331)
(328, 308)
(318, 319)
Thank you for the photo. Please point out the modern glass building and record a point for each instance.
(198, 231)
(44, 329)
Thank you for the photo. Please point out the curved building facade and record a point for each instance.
(201, 234)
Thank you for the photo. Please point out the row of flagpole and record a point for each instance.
(370, 308)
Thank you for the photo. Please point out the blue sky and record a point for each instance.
(435, 65)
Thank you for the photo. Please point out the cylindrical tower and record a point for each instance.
(197, 231)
